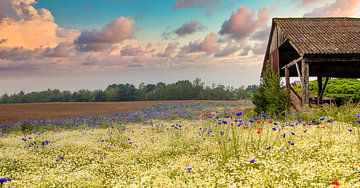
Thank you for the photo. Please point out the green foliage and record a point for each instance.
(343, 88)
(271, 97)
(181, 90)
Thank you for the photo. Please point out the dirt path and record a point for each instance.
(36, 111)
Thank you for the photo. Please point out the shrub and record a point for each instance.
(271, 97)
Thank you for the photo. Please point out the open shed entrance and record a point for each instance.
(313, 47)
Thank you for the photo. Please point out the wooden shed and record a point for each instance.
(313, 47)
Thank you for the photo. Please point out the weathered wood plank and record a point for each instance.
(323, 89)
(320, 89)
(305, 77)
(292, 62)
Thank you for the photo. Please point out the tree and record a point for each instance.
(271, 97)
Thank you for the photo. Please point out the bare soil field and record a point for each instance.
(36, 111)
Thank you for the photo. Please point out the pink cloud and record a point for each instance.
(21, 23)
(209, 44)
(170, 50)
(337, 8)
(308, 3)
(116, 31)
(188, 28)
(243, 22)
(191, 3)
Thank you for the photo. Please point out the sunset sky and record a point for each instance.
(89, 44)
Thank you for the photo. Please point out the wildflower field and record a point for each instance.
(213, 144)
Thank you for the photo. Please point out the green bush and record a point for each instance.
(271, 97)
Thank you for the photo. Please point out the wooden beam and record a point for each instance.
(287, 80)
(319, 81)
(297, 95)
(292, 62)
(305, 78)
(323, 89)
(333, 59)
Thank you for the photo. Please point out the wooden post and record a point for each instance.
(287, 80)
(323, 89)
(305, 78)
(319, 81)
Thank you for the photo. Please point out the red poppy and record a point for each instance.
(257, 121)
(270, 121)
(127, 119)
(336, 183)
(120, 119)
(259, 131)
(113, 119)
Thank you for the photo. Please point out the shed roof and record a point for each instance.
(339, 35)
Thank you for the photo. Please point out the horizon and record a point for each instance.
(71, 45)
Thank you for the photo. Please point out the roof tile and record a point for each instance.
(322, 35)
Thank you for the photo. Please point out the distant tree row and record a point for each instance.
(181, 90)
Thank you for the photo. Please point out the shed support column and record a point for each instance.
(287, 81)
(319, 81)
(305, 78)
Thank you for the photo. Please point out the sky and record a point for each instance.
(89, 44)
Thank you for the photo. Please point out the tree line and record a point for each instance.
(181, 90)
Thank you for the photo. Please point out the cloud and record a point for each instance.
(179, 4)
(261, 34)
(209, 45)
(307, 3)
(187, 28)
(131, 51)
(337, 8)
(21, 25)
(243, 22)
(228, 50)
(116, 31)
(64, 49)
(170, 50)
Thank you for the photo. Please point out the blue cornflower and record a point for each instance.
(268, 148)
(358, 121)
(251, 121)
(239, 113)
(3, 180)
(189, 169)
(263, 115)
(44, 142)
(357, 116)
(217, 117)
(305, 131)
(256, 118)
(23, 139)
(292, 143)
(227, 116)
(274, 128)
(224, 122)
(60, 158)
(350, 130)
(222, 133)
(328, 121)
(292, 133)
(322, 119)
(252, 161)
(284, 135)
(275, 123)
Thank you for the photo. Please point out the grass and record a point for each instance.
(189, 153)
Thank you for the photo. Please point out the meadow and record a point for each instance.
(207, 144)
